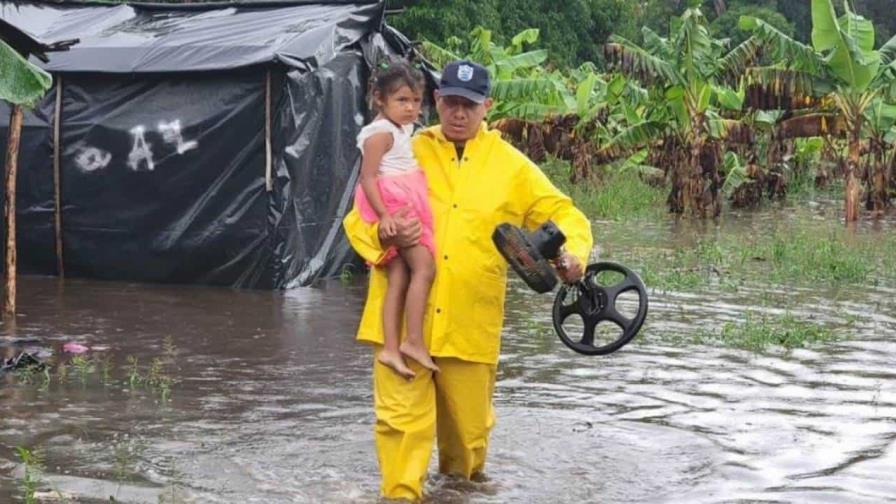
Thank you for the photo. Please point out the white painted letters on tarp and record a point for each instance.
(171, 134)
(140, 151)
(91, 159)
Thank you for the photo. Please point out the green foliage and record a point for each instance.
(572, 31)
(881, 11)
(845, 69)
(33, 461)
(759, 331)
(621, 193)
(824, 257)
(801, 252)
(848, 44)
(522, 87)
(734, 173)
(795, 13)
(21, 83)
(673, 94)
(84, 368)
(780, 47)
(687, 73)
(725, 26)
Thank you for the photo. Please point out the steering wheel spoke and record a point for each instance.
(567, 310)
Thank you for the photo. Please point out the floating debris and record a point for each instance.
(21, 361)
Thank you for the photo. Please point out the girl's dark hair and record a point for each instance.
(390, 75)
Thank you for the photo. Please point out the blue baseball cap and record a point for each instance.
(465, 79)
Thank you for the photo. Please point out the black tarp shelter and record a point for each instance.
(197, 143)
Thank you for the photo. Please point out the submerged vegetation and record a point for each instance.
(98, 370)
(759, 332)
(33, 463)
(799, 253)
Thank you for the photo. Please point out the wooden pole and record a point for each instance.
(268, 172)
(57, 178)
(12, 156)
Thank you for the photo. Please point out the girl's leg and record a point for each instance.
(423, 272)
(393, 306)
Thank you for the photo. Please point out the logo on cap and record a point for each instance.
(465, 73)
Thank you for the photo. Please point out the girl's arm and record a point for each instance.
(375, 147)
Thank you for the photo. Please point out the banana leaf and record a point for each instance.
(845, 55)
(781, 47)
(21, 82)
(888, 51)
(528, 36)
(437, 54)
(518, 89)
(735, 173)
(508, 65)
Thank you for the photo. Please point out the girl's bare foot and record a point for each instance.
(419, 353)
(394, 361)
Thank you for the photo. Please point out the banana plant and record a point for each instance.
(687, 74)
(840, 68)
(880, 129)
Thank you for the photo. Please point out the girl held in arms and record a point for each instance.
(392, 187)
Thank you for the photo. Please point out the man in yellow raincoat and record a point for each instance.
(476, 181)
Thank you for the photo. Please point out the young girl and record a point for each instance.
(392, 184)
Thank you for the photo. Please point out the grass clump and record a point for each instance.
(794, 254)
(758, 332)
(829, 256)
(84, 368)
(33, 461)
(615, 195)
(685, 267)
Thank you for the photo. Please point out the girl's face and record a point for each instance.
(402, 106)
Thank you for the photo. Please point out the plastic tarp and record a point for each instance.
(35, 200)
(163, 158)
(123, 38)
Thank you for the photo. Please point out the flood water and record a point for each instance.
(271, 400)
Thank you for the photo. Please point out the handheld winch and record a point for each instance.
(532, 256)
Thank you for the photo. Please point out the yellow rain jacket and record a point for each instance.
(492, 184)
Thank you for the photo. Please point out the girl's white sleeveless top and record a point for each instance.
(400, 158)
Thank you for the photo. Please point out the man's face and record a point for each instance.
(460, 117)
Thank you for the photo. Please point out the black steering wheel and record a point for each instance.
(596, 303)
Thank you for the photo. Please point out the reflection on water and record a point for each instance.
(271, 401)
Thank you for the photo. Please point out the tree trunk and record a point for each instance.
(891, 170)
(675, 158)
(852, 166)
(720, 6)
(879, 190)
(12, 156)
(694, 182)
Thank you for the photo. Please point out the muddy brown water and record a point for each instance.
(271, 400)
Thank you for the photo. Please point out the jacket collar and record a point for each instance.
(436, 133)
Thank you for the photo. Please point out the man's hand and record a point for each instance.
(407, 231)
(569, 268)
(388, 226)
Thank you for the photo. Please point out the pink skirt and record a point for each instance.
(408, 190)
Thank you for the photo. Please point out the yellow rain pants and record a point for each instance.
(455, 403)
